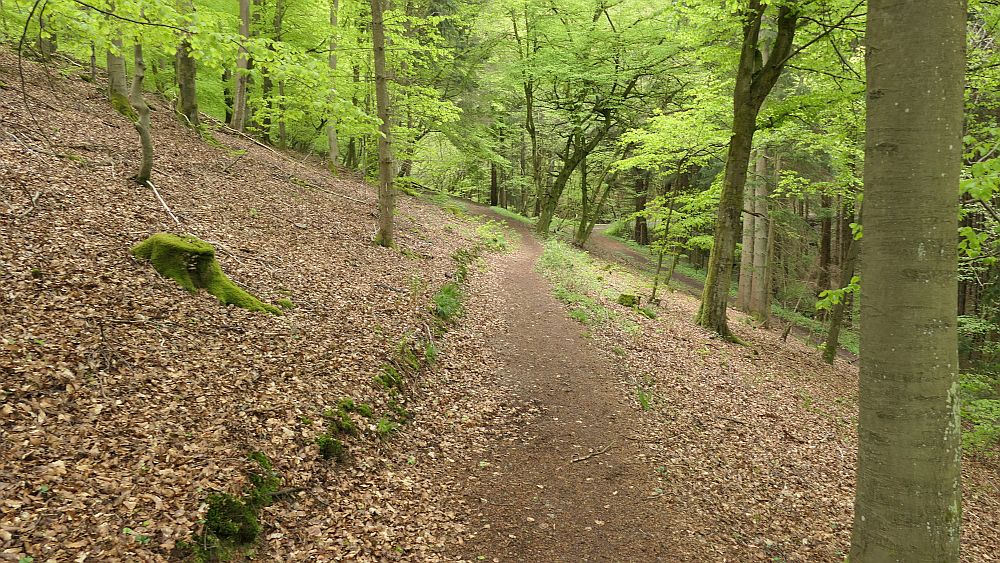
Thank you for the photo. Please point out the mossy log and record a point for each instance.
(191, 262)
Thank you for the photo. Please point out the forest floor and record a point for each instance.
(125, 402)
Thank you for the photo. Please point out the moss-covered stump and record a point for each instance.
(191, 262)
(629, 300)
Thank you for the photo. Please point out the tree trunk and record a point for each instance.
(752, 88)
(641, 232)
(117, 91)
(494, 185)
(825, 242)
(331, 128)
(239, 117)
(760, 302)
(908, 500)
(746, 254)
(386, 191)
(142, 118)
(187, 99)
(837, 314)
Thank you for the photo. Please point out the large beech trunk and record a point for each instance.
(908, 501)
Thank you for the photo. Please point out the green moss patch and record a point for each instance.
(232, 522)
(191, 263)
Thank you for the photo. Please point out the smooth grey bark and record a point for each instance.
(239, 117)
(187, 100)
(142, 125)
(760, 302)
(331, 129)
(746, 254)
(117, 89)
(386, 191)
(908, 499)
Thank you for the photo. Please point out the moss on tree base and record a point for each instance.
(191, 262)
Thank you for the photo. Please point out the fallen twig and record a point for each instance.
(163, 203)
(592, 454)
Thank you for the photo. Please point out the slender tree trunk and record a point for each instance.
(641, 232)
(239, 117)
(142, 119)
(837, 314)
(825, 242)
(386, 191)
(752, 87)
(746, 254)
(760, 303)
(908, 501)
(331, 128)
(117, 90)
(494, 185)
(187, 100)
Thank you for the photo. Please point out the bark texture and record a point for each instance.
(908, 501)
(142, 117)
(331, 128)
(187, 100)
(386, 191)
(239, 117)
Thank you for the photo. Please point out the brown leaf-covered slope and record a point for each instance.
(125, 401)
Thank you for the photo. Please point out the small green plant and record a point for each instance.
(448, 302)
(385, 426)
(580, 315)
(389, 378)
(230, 519)
(286, 304)
(645, 397)
(492, 236)
(647, 312)
(331, 448)
(430, 352)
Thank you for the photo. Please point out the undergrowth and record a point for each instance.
(980, 395)
(579, 282)
(232, 522)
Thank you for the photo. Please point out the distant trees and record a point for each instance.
(908, 502)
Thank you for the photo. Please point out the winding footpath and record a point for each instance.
(572, 487)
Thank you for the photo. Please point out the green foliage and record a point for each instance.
(574, 281)
(492, 236)
(191, 262)
(232, 522)
(830, 297)
(980, 395)
(286, 304)
(448, 302)
(385, 426)
(644, 397)
(446, 202)
(331, 448)
(504, 212)
(230, 519)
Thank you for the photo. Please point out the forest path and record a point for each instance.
(572, 485)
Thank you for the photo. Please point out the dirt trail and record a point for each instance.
(571, 486)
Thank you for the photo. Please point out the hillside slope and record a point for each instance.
(125, 402)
